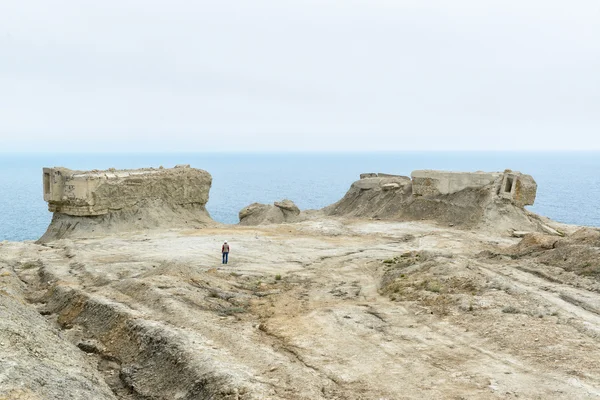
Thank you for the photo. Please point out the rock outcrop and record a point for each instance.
(578, 252)
(36, 361)
(279, 212)
(374, 196)
(491, 200)
(96, 202)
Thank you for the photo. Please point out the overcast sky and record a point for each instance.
(248, 75)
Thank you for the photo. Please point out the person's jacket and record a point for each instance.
(225, 248)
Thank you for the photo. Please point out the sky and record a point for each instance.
(299, 75)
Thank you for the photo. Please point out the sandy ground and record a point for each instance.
(325, 309)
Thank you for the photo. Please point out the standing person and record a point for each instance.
(225, 251)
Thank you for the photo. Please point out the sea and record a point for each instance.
(568, 182)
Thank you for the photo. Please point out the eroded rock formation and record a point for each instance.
(578, 253)
(36, 360)
(329, 308)
(279, 212)
(88, 202)
(493, 200)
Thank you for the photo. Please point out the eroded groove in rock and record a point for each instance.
(35, 361)
(158, 361)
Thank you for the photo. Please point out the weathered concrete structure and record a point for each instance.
(379, 175)
(434, 183)
(93, 193)
(490, 200)
(519, 188)
(121, 200)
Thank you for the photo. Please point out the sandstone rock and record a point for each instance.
(578, 253)
(252, 209)
(280, 212)
(367, 183)
(373, 197)
(532, 242)
(368, 175)
(35, 361)
(519, 234)
(390, 186)
(287, 206)
(586, 236)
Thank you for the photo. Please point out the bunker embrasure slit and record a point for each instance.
(46, 183)
(509, 184)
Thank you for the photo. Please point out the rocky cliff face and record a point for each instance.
(97, 202)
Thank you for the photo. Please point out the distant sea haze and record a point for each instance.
(568, 182)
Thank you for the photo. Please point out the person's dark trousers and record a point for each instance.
(225, 258)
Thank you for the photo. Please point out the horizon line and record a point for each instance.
(299, 151)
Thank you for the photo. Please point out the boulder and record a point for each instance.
(368, 175)
(390, 186)
(253, 209)
(259, 214)
(287, 206)
(586, 235)
(535, 241)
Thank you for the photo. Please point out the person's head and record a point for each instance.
(226, 242)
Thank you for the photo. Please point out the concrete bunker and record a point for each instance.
(458, 198)
(93, 193)
(124, 200)
(436, 183)
(519, 188)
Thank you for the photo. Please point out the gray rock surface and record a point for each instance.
(36, 362)
(329, 308)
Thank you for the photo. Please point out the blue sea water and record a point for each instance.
(568, 182)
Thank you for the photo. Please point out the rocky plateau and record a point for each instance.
(435, 286)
